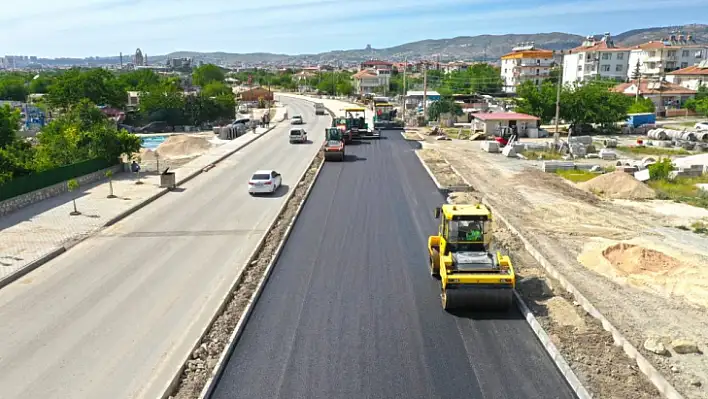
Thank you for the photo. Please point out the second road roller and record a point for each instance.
(471, 273)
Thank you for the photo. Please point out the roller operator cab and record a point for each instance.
(472, 275)
(333, 147)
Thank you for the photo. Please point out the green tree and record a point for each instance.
(535, 100)
(13, 88)
(59, 145)
(97, 85)
(9, 123)
(40, 84)
(16, 155)
(163, 103)
(72, 185)
(641, 105)
(206, 74)
(593, 103)
(215, 88)
(443, 106)
(138, 80)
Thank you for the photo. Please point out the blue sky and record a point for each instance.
(79, 28)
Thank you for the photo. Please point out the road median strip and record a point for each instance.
(200, 373)
(657, 380)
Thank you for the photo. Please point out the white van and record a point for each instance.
(298, 136)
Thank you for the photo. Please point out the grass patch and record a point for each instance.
(682, 190)
(577, 176)
(453, 132)
(653, 150)
(700, 228)
(546, 155)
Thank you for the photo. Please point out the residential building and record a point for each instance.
(663, 94)
(489, 123)
(133, 99)
(255, 94)
(595, 59)
(692, 77)
(376, 64)
(525, 63)
(414, 98)
(657, 58)
(455, 66)
(368, 81)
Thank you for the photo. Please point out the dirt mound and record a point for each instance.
(632, 259)
(146, 154)
(619, 185)
(183, 146)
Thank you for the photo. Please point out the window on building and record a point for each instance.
(672, 53)
(580, 56)
(684, 53)
(605, 68)
(684, 65)
(620, 56)
(538, 71)
(652, 54)
(580, 68)
(619, 68)
(652, 65)
(606, 56)
(699, 54)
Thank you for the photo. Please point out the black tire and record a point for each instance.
(435, 273)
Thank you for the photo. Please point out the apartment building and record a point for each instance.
(656, 58)
(369, 81)
(692, 77)
(595, 59)
(525, 63)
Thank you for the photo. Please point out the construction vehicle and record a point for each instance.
(472, 275)
(341, 124)
(384, 115)
(333, 147)
(356, 123)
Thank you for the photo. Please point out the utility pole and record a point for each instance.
(405, 69)
(556, 135)
(425, 93)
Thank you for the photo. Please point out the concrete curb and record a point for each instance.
(654, 376)
(570, 377)
(218, 369)
(60, 250)
(31, 266)
(221, 365)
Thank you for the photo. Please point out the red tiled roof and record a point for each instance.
(363, 74)
(376, 62)
(505, 116)
(692, 70)
(657, 44)
(598, 46)
(666, 88)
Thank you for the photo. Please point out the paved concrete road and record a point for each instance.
(116, 315)
(351, 311)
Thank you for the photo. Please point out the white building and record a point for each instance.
(525, 63)
(595, 59)
(661, 57)
(369, 81)
(692, 77)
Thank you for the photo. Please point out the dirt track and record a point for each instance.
(663, 294)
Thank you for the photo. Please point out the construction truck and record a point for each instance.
(356, 123)
(472, 275)
(333, 147)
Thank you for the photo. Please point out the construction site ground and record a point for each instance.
(634, 260)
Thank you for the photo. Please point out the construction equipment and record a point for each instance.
(333, 147)
(341, 124)
(356, 123)
(384, 115)
(472, 275)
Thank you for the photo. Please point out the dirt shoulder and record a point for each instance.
(652, 287)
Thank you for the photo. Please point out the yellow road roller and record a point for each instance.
(472, 275)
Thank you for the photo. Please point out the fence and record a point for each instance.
(26, 184)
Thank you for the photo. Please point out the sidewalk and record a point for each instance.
(33, 235)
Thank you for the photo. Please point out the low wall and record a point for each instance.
(11, 205)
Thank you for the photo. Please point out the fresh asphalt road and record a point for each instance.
(116, 315)
(351, 311)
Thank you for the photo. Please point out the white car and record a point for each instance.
(298, 136)
(296, 120)
(701, 126)
(264, 182)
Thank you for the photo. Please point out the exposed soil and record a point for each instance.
(199, 367)
(559, 219)
(619, 185)
(441, 169)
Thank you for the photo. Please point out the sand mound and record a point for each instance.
(146, 154)
(182, 146)
(632, 259)
(619, 185)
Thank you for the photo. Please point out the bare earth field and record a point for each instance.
(648, 277)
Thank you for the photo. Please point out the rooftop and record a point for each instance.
(701, 69)
(419, 93)
(650, 87)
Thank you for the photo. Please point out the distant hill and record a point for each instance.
(483, 47)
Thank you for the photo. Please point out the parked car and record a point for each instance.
(296, 120)
(130, 129)
(155, 127)
(701, 126)
(298, 136)
(264, 182)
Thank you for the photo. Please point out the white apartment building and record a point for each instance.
(660, 57)
(595, 59)
(525, 63)
(692, 77)
(368, 81)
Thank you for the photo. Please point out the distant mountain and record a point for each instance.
(483, 47)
